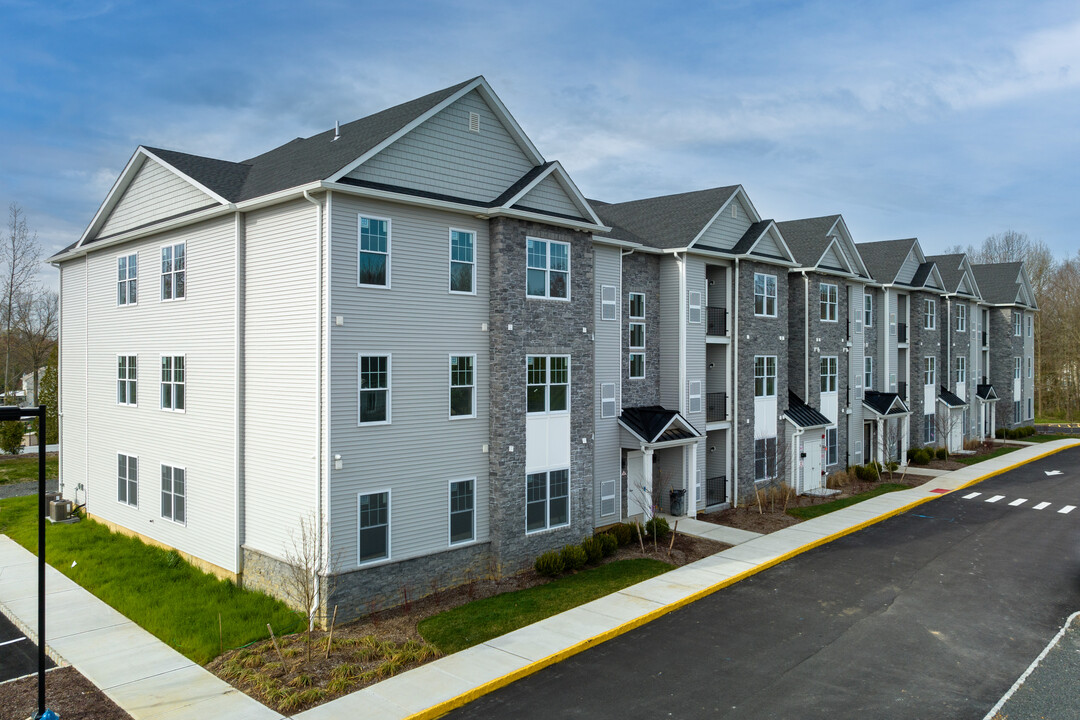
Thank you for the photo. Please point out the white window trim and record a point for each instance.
(774, 296)
(613, 400)
(833, 373)
(138, 487)
(185, 383)
(389, 237)
(548, 527)
(766, 376)
(137, 364)
(929, 314)
(613, 497)
(630, 334)
(389, 526)
(450, 260)
(961, 318)
(547, 385)
(138, 266)
(1018, 364)
(1018, 324)
(929, 371)
(449, 511)
(182, 523)
(161, 275)
(827, 304)
(547, 269)
(1030, 366)
(961, 369)
(389, 388)
(613, 303)
(630, 366)
(450, 387)
(630, 304)
(868, 372)
(691, 396)
(832, 448)
(692, 306)
(868, 319)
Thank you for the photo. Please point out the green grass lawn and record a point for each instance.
(482, 620)
(21, 468)
(156, 588)
(1048, 438)
(971, 460)
(813, 511)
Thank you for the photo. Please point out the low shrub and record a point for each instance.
(920, 456)
(891, 466)
(1000, 433)
(609, 543)
(11, 436)
(573, 557)
(594, 550)
(942, 453)
(550, 564)
(622, 533)
(657, 526)
(868, 472)
(1028, 430)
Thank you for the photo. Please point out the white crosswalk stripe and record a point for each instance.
(1064, 510)
(1042, 505)
(1067, 509)
(995, 498)
(1018, 501)
(972, 495)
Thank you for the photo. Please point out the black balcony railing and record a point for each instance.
(901, 332)
(716, 325)
(715, 406)
(901, 390)
(716, 490)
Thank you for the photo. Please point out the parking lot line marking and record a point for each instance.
(1041, 505)
(1018, 501)
(2, 644)
(995, 498)
(972, 495)
(1067, 509)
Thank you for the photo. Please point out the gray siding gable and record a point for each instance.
(443, 156)
(155, 193)
(726, 230)
(909, 268)
(550, 196)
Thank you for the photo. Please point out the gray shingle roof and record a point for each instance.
(951, 269)
(653, 423)
(998, 281)
(884, 258)
(922, 274)
(751, 236)
(986, 392)
(884, 403)
(807, 238)
(666, 222)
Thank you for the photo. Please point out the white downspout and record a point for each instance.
(948, 344)
(735, 390)
(806, 336)
(318, 388)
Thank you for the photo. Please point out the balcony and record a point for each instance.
(715, 407)
(901, 390)
(716, 325)
(901, 332)
(716, 490)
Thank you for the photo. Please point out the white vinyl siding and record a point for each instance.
(155, 193)
(549, 195)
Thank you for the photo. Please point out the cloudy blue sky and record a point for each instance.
(949, 121)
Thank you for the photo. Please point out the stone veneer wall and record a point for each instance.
(641, 273)
(923, 343)
(870, 336)
(539, 327)
(767, 336)
(959, 345)
(1004, 347)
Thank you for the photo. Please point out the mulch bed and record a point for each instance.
(386, 643)
(67, 693)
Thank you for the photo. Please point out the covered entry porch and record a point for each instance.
(887, 435)
(806, 448)
(660, 454)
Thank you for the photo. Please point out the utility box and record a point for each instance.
(60, 510)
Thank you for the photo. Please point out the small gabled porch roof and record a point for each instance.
(802, 415)
(656, 426)
(885, 404)
(986, 393)
(950, 399)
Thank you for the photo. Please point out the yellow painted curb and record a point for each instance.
(533, 667)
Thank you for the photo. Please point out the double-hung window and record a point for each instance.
(548, 383)
(1029, 367)
(1018, 320)
(173, 382)
(961, 370)
(764, 458)
(637, 335)
(961, 318)
(868, 310)
(462, 386)
(127, 278)
(1029, 317)
(764, 295)
(462, 262)
(929, 314)
(930, 371)
(373, 254)
(547, 500)
(828, 302)
(462, 511)
(374, 389)
(828, 374)
(126, 380)
(764, 376)
(373, 528)
(173, 263)
(1030, 408)
(1016, 368)
(929, 430)
(832, 446)
(174, 493)
(127, 479)
(548, 270)
(868, 373)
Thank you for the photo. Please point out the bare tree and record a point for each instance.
(19, 258)
(308, 581)
(945, 422)
(37, 315)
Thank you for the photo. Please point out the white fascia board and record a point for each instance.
(840, 252)
(466, 208)
(783, 246)
(616, 242)
(630, 430)
(563, 178)
(118, 188)
(1025, 283)
(969, 273)
(755, 217)
(935, 273)
(842, 227)
(741, 191)
(493, 100)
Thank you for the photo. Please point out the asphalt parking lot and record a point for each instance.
(18, 656)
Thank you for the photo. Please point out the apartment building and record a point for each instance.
(413, 333)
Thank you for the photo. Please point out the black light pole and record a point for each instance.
(19, 414)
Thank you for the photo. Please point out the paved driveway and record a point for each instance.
(931, 614)
(18, 656)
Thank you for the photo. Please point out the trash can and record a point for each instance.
(678, 497)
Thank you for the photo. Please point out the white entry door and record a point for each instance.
(811, 476)
(637, 494)
(956, 431)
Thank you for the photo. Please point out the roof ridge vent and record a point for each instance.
(337, 130)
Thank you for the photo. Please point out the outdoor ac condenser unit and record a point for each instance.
(59, 510)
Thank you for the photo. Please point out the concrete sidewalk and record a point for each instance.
(150, 680)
